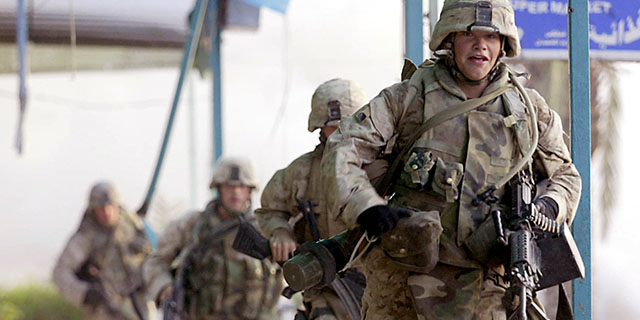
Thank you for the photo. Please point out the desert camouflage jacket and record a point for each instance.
(463, 155)
(109, 258)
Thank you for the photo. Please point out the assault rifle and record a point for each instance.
(90, 272)
(350, 289)
(251, 242)
(173, 306)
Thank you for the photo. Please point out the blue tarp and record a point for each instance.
(614, 28)
(277, 5)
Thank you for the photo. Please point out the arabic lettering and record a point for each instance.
(623, 31)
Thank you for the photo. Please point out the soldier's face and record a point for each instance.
(108, 215)
(235, 197)
(476, 52)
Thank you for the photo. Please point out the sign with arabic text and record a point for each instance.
(614, 28)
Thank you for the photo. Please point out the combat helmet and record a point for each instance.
(101, 194)
(333, 101)
(235, 171)
(488, 15)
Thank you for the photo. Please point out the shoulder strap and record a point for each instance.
(434, 121)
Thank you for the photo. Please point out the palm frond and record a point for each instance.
(607, 141)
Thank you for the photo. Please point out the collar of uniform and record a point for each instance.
(446, 81)
(319, 150)
(500, 79)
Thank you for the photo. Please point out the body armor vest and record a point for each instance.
(222, 283)
(450, 164)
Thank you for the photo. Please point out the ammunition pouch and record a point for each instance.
(414, 243)
(447, 177)
(423, 171)
(417, 169)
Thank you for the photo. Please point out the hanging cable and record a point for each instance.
(287, 78)
(21, 39)
(72, 36)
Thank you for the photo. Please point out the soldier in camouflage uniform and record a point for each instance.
(218, 281)
(444, 168)
(100, 268)
(288, 191)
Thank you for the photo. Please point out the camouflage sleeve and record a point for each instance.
(156, 270)
(64, 273)
(359, 140)
(279, 198)
(553, 159)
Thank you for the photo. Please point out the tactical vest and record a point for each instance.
(451, 163)
(221, 283)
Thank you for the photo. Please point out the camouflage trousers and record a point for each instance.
(447, 292)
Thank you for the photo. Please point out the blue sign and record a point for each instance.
(614, 28)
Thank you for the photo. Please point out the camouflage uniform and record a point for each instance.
(219, 282)
(117, 253)
(301, 180)
(447, 166)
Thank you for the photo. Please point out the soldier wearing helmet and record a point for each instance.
(297, 188)
(99, 268)
(196, 251)
(459, 126)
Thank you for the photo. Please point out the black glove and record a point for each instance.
(380, 219)
(93, 297)
(547, 207)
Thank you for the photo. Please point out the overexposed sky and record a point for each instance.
(108, 124)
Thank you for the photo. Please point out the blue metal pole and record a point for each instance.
(581, 145)
(217, 80)
(21, 39)
(190, 47)
(413, 39)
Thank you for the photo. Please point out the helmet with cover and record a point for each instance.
(235, 171)
(333, 101)
(103, 193)
(468, 15)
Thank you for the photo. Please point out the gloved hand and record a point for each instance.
(380, 219)
(93, 297)
(547, 207)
